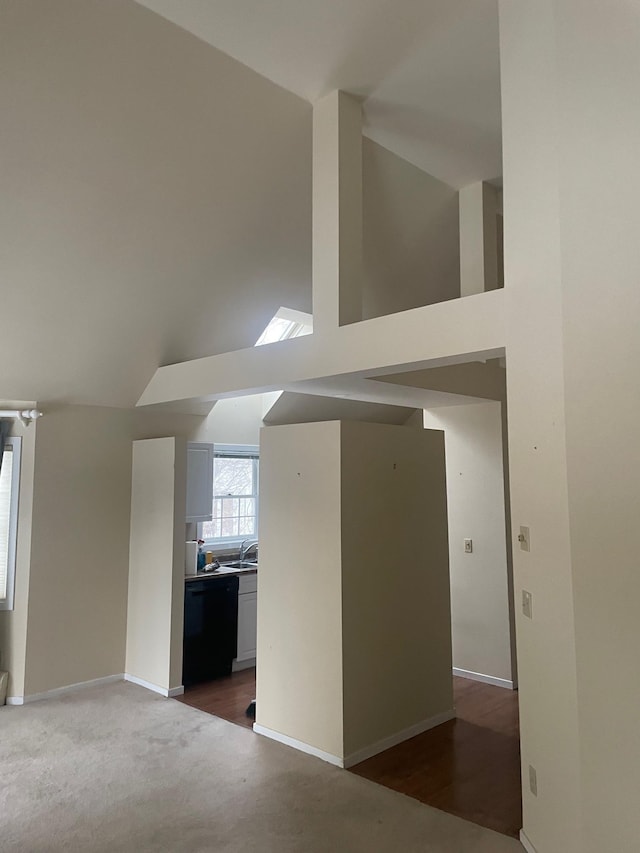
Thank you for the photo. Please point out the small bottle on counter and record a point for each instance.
(209, 558)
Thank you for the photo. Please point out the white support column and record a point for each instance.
(478, 238)
(337, 211)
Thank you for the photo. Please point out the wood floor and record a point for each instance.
(469, 767)
(226, 697)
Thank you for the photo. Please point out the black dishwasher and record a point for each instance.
(210, 628)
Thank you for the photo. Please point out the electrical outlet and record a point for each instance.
(468, 546)
(524, 539)
(533, 781)
(527, 604)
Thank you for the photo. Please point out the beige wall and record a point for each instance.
(299, 676)
(396, 614)
(476, 509)
(79, 547)
(410, 235)
(599, 129)
(156, 562)
(533, 249)
(354, 635)
(154, 191)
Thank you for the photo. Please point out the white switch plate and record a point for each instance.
(533, 781)
(527, 604)
(524, 538)
(468, 546)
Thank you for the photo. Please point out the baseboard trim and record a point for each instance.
(487, 679)
(393, 740)
(528, 846)
(361, 754)
(60, 691)
(238, 665)
(167, 692)
(298, 744)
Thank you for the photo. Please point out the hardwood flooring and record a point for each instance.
(226, 697)
(469, 767)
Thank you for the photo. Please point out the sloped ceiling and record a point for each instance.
(156, 200)
(291, 408)
(427, 69)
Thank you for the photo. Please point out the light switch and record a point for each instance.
(527, 604)
(468, 546)
(524, 539)
(533, 781)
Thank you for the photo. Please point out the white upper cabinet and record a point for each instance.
(199, 481)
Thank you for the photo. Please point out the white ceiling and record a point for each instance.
(428, 70)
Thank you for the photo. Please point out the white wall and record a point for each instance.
(476, 509)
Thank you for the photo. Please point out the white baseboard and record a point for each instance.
(163, 691)
(398, 737)
(237, 665)
(361, 754)
(528, 846)
(298, 744)
(487, 679)
(60, 691)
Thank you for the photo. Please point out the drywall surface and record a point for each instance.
(534, 231)
(411, 243)
(299, 676)
(476, 510)
(13, 623)
(156, 199)
(306, 408)
(396, 616)
(599, 135)
(79, 547)
(154, 617)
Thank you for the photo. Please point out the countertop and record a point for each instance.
(222, 572)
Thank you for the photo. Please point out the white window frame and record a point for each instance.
(240, 450)
(15, 443)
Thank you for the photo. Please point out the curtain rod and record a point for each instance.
(24, 415)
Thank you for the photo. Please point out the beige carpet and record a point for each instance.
(117, 768)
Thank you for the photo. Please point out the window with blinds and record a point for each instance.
(9, 479)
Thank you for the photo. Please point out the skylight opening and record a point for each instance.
(286, 323)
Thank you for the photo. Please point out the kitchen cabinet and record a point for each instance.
(199, 481)
(247, 622)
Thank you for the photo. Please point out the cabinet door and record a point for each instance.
(199, 481)
(247, 625)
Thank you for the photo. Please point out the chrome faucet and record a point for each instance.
(245, 546)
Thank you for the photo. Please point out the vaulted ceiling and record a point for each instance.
(156, 191)
(428, 70)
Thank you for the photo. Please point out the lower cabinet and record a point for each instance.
(247, 622)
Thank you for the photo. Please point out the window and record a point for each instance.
(286, 323)
(9, 484)
(235, 496)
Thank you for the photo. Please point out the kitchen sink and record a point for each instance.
(241, 564)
